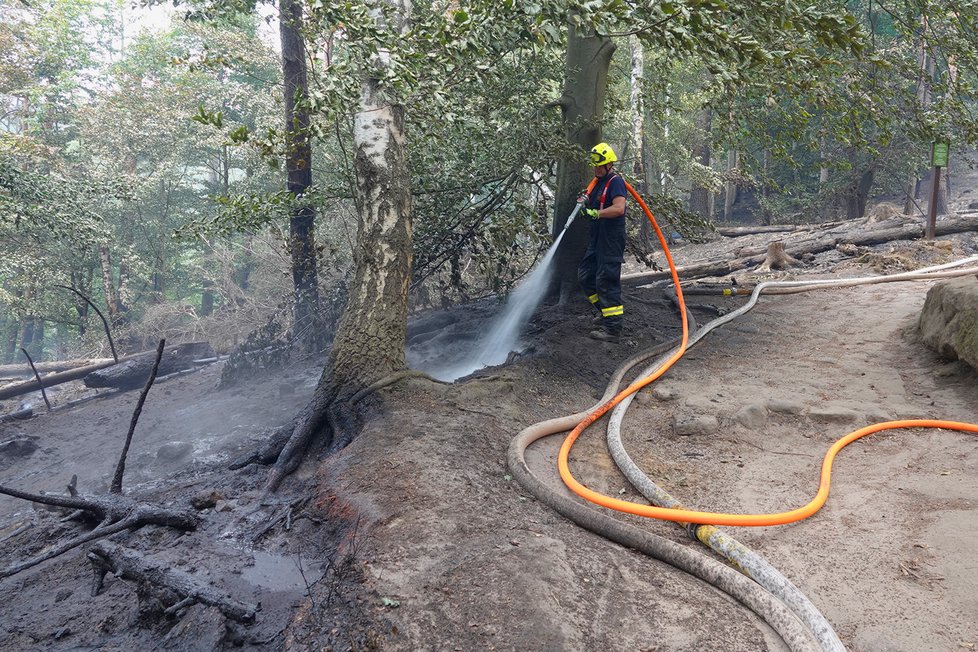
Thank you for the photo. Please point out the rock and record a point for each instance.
(62, 595)
(201, 628)
(782, 406)
(751, 416)
(643, 398)
(695, 424)
(876, 415)
(61, 633)
(18, 447)
(665, 393)
(174, 451)
(833, 414)
(948, 322)
(206, 499)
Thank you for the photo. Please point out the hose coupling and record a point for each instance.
(691, 529)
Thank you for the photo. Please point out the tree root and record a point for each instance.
(329, 411)
(114, 513)
(128, 564)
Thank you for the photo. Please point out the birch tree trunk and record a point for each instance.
(640, 167)
(108, 285)
(637, 103)
(369, 342)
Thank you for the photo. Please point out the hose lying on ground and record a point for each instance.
(726, 579)
(752, 564)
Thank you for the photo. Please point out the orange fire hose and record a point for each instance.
(715, 518)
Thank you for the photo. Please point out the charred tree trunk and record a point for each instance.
(302, 247)
(858, 194)
(582, 109)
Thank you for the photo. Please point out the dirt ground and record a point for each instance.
(415, 536)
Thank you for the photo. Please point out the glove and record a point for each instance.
(591, 212)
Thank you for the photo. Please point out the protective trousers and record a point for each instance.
(600, 270)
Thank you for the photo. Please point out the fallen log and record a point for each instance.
(737, 231)
(24, 371)
(128, 564)
(813, 244)
(133, 373)
(18, 389)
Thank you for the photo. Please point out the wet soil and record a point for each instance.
(415, 536)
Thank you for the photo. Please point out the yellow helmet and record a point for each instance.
(602, 154)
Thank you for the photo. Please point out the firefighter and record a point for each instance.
(600, 270)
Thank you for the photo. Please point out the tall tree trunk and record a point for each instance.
(926, 66)
(369, 342)
(108, 285)
(730, 194)
(640, 168)
(82, 282)
(766, 189)
(823, 170)
(10, 340)
(36, 348)
(302, 247)
(637, 105)
(27, 332)
(582, 111)
(858, 193)
(699, 196)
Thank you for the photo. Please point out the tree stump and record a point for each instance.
(776, 258)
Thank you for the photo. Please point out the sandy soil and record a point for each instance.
(415, 537)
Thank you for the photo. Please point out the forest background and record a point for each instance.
(202, 176)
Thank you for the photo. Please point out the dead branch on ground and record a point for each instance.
(127, 564)
(737, 231)
(113, 512)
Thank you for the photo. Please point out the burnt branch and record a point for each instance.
(120, 469)
(128, 564)
(37, 377)
(114, 513)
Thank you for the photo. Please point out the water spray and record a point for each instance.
(502, 337)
